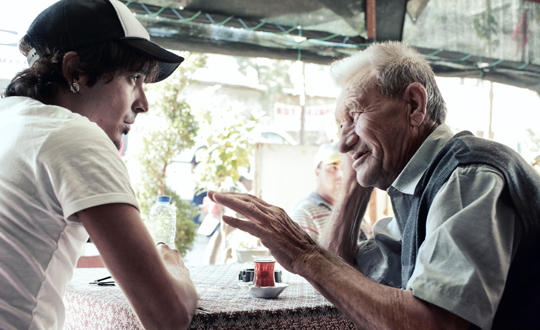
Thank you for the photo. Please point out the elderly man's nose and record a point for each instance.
(342, 146)
(345, 141)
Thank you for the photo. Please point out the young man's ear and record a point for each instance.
(70, 63)
(416, 98)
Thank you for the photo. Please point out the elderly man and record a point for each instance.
(461, 251)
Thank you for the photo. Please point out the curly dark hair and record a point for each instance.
(99, 60)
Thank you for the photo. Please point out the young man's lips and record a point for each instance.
(127, 127)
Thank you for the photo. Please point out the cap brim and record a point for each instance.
(332, 159)
(167, 61)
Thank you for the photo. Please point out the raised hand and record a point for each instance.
(349, 174)
(290, 245)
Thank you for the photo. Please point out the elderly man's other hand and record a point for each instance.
(290, 245)
(349, 174)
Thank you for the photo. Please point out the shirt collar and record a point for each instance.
(409, 177)
(317, 199)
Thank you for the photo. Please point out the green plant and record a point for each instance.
(163, 144)
(229, 147)
(533, 139)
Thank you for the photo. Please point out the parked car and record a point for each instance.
(272, 134)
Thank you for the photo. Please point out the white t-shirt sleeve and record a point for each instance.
(84, 168)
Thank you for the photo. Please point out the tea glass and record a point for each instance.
(264, 271)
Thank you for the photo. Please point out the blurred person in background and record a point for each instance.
(220, 248)
(62, 178)
(199, 193)
(313, 211)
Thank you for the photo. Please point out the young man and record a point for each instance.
(62, 178)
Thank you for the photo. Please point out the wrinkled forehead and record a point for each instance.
(359, 85)
(364, 76)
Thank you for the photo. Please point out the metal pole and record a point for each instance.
(371, 20)
(490, 132)
(303, 105)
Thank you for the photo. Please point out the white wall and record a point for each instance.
(284, 174)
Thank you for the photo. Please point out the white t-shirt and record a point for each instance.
(53, 164)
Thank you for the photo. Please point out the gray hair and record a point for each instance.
(396, 66)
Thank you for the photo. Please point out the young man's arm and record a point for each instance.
(153, 278)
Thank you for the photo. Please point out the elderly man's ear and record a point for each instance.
(416, 97)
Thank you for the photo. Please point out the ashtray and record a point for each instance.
(267, 292)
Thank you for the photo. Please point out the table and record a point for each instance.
(223, 305)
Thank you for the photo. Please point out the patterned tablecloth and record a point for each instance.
(223, 304)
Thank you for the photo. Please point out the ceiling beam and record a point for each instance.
(371, 20)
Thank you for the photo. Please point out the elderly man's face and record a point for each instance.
(373, 131)
(113, 105)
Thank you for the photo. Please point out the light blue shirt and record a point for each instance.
(471, 237)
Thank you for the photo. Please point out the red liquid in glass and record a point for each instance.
(264, 273)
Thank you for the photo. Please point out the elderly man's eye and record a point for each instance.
(355, 115)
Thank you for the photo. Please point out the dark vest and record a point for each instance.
(520, 304)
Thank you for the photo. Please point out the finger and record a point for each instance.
(170, 255)
(239, 201)
(247, 205)
(181, 261)
(162, 246)
(163, 249)
(245, 225)
(210, 195)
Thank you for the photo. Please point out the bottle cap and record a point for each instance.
(163, 199)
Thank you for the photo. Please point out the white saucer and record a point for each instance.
(263, 291)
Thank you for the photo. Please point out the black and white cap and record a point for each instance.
(68, 24)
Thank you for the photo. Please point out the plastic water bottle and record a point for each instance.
(162, 221)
